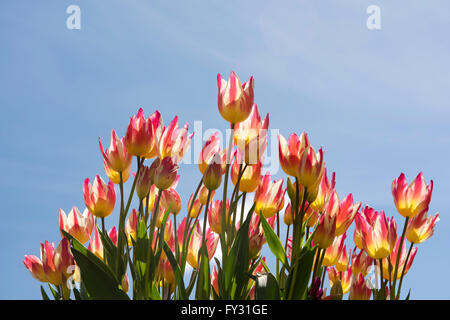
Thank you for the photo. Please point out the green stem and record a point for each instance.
(392, 294)
(404, 270)
(241, 219)
(278, 235)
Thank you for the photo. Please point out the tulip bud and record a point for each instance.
(116, 156)
(139, 138)
(143, 182)
(100, 198)
(170, 200)
(131, 227)
(211, 147)
(76, 224)
(163, 173)
(212, 177)
(235, 101)
(96, 245)
(215, 215)
(196, 207)
(203, 195)
(125, 283)
(112, 234)
(288, 219)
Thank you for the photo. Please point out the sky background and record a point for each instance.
(376, 100)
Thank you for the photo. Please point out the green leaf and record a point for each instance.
(55, 293)
(409, 295)
(274, 242)
(44, 294)
(176, 270)
(298, 278)
(154, 294)
(100, 284)
(266, 287)
(203, 291)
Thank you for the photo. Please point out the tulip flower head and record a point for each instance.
(402, 262)
(116, 155)
(163, 173)
(269, 196)
(212, 178)
(369, 214)
(215, 215)
(379, 238)
(203, 195)
(256, 234)
(171, 200)
(174, 141)
(157, 123)
(326, 229)
(139, 138)
(411, 199)
(195, 244)
(347, 212)
(56, 262)
(250, 177)
(289, 152)
(343, 262)
(421, 227)
(96, 244)
(211, 147)
(235, 100)
(34, 265)
(100, 198)
(344, 276)
(131, 227)
(76, 224)
(311, 167)
(361, 263)
(143, 182)
(196, 207)
(359, 289)
(333, 252)
(325, 187)
(250, 136)
(114, 176)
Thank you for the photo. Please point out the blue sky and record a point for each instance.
(377, 101)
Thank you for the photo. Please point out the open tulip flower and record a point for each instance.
(216, 233)
(77, 224)
(235, 100)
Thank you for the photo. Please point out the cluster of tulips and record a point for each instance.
(155, 246)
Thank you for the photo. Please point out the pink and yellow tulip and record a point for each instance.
(116, 155)
(139, 138)
(100, 198)
(421, 227)
(76, 224)
(269, 196)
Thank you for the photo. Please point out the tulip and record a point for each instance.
(290, 151)
(402, 262)
(347, 212)
(288, 219)
(369, 214)
(269, 196)
(256, 234)
(311, 167)
(174, 141)
(114, 176)
(361, 263)
(215, 215)
(96, 245)
(34, 265)
(292, 191)
(215, 280)
(212, 177)
(112, 234)
(125, 283)
(76, 224)
(196, 242)
(131, 227)
(420, 228)
(343, 262)
(163, 173)
(171, 200)
(116, 155)
(196, 207)
(56, 262)
(99, 198)
(158, 127)
(250, 136)
(413, 199)
(143, 182)
(235, 100)
(250, 177)
(139, 138)
(203, 194)
(211, 147)
(344, 276)
(325, 187)
(311, 217)
(359, 289)
(378, 239)
(333, 252)
(326, 229)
